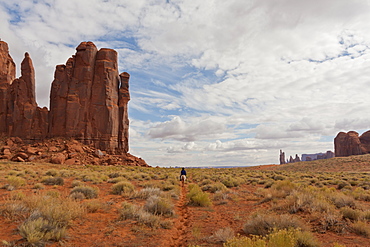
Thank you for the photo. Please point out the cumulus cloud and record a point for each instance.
(178, 129)
(214, 78)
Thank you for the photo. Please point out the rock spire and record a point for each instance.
(88, 100)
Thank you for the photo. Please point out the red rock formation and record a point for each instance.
(19, 114)
(7, 75)
(350, 143)
(282, 157)
(88, 101)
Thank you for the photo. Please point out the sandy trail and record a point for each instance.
(181, 223)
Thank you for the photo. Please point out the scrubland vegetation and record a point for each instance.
(44, 204)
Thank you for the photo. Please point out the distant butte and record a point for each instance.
(88, 100)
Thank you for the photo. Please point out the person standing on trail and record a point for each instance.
(183, 174)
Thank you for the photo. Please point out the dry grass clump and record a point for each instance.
(92, 206)
(197, 197)
(361, 228)
(214, 187)
(87, 191)
(349, 213)
(45, 218)
(159, 206)
(130, 211)
(122, 188)
(262, 224)
(53, 181)
(341, 200)
(224, 234)
(276, 238)
(147, 192)
(14, 183)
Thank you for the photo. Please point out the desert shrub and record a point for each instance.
(52, 172)
(53, 193)
(130, 211)
(53, 181)
(122, 188)
(197, 197)
(37, 231)
(223, 234)
(366, 215)
(361, 228)
(222, 196)
(38, 186)
(159, 205)
(341, 200)
(87, 191)
(232, 182)
(262, 224)
(116, 180)
(114, 175)
(92, 206)
(349, 213)
(361, 194)
(332, 220)
(14, 182)
(343, 184)
(77, 196)
(205, 182)
(304, 201)
(306, 239)
(216, 187)
(147, 192)
(276, 238)
(245, 241)
(76, 183)
(46, 217)
(285, 186)
(338, 245)
(141, 176)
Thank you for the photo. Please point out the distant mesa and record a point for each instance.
(305, 157)
(350, 143)
(88, 100)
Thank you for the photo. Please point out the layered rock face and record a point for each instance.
(88, 100)
(347, 144)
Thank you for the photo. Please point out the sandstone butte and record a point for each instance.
(88, 100)
(347, 144)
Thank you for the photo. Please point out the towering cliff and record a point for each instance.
(88, 100)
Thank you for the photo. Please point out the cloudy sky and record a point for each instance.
(214, 83)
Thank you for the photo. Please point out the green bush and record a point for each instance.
(197, 197)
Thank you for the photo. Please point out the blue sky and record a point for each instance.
(214, 83)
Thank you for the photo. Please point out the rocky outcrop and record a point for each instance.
(282, 157)
(62, 151)
(347, 144)
(88, 101)
(19, 114)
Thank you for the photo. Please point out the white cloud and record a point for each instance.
(254, 75)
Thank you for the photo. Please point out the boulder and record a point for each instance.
(58, 158)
